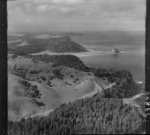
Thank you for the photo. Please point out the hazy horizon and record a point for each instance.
(75, 32)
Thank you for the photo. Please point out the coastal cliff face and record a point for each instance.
(29, 44)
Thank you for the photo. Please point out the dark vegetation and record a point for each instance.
(67, 83)
(16, 53)
(12, 37)
(43, 78)
(57, 73)
(35, 46)
(93, 115)
(125, 86)
(64, 60)
(34, 72)
(49, 84)
(14, 44)
(77, 79)
(71, 76)
(64, 44)
(123, 89)
(59, 44)
(30, 90)
(112, 74)
(39, 103)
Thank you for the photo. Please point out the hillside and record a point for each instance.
(64, 60)
(93, 115)
(69, 97)
(64, 78)
(43, 85)
(137, 100)
(29, 44)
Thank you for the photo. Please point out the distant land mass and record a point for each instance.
(30, 44)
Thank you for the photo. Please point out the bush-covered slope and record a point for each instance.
(91, 116)
(59, 44)
(64, 60)
(125, 86)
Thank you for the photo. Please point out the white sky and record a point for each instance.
(76, 15)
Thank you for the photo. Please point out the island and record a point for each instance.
(115, 51)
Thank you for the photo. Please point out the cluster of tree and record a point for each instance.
(112, 74)
(64, 60)
(34, 72)
(59, 44)
(124, 87)
(12, 37)
(14, 44)
(34, 46)
(58, 74)
(93, 115)
(64, 44)
(15, 53)
(30, 90)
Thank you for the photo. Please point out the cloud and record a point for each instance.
(55, 1)
(66, 9)
(42, 8)
(77, 14)
(54, 9)
(100, 6)
(121, 5)
(67, 1)
(28, 21)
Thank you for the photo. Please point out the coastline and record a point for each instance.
(89, 53)
(111, 59)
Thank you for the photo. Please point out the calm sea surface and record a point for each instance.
(130, 44)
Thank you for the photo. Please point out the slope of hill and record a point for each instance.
(64, 78)
(36, 45)
(93, 115)
(64, 44)
(137, 100)
(64, 60)
(47, 86)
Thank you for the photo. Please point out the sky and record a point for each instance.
(76, 15)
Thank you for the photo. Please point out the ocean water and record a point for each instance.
(130, 44)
